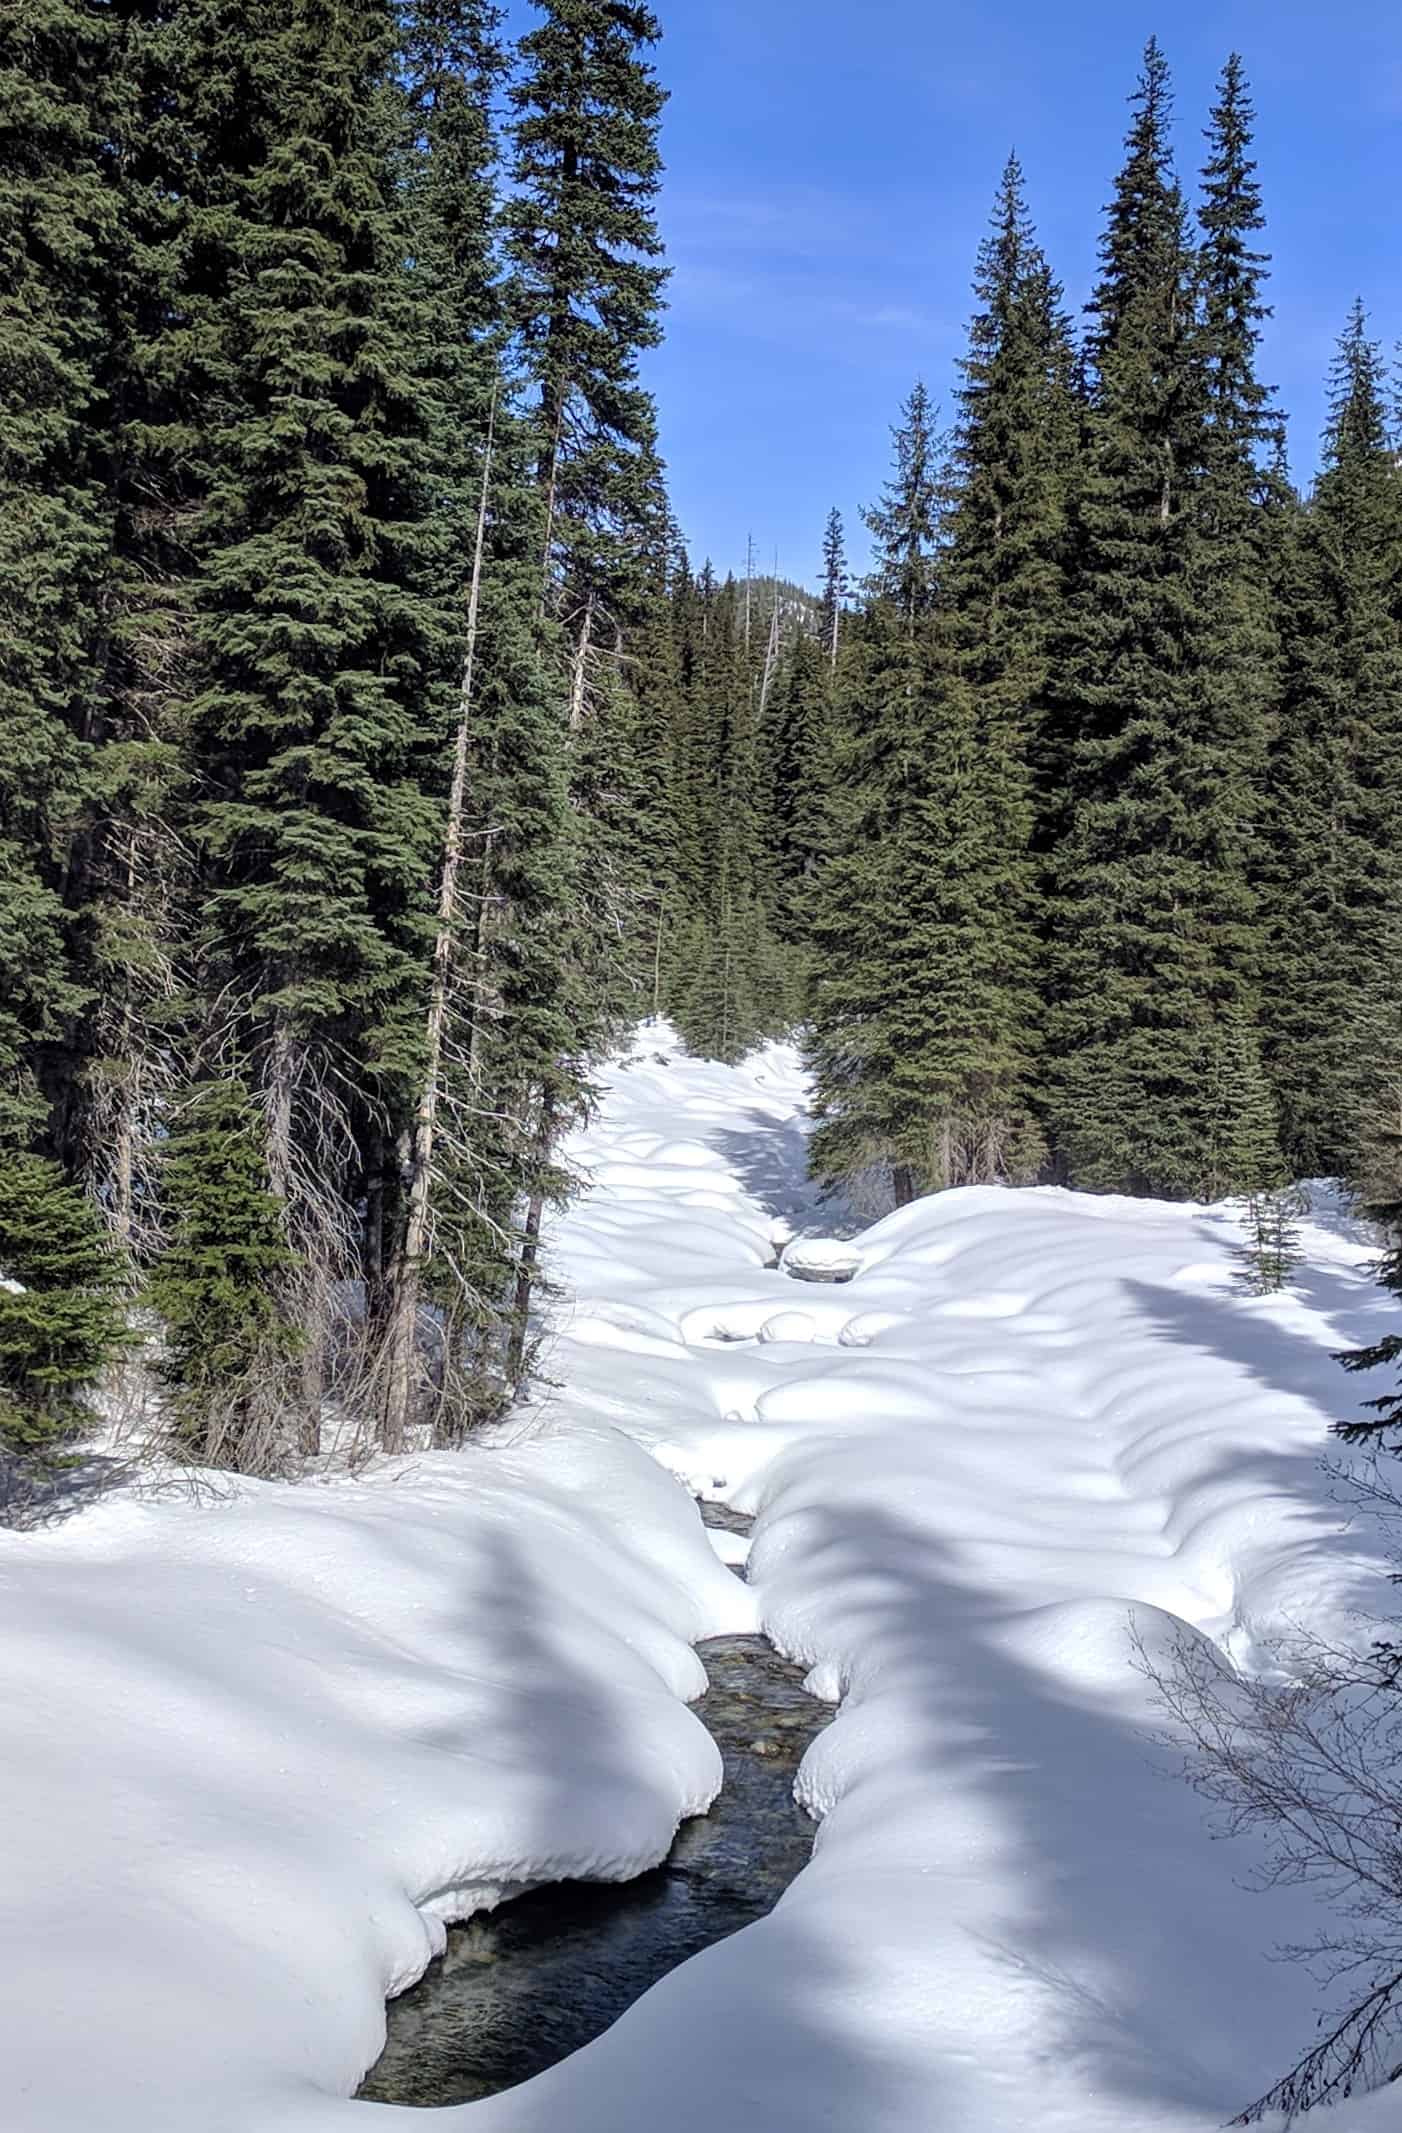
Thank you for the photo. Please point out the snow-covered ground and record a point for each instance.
(256, 1751)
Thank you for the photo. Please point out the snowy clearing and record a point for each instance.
(258, 1750)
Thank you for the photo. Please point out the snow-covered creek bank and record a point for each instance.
(260, 1753)
(521, 1987)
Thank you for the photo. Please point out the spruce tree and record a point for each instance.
(1156, 927)
(587, 286)
(58, 216)
(904, 523)
(61, 1317)
(1003, 584)
(727, 992)
(1335, 867)
(793, 747)
(834, 587)
(221, 1286)
(918, 1006)
(514, 1070)
(127, 874)
(327, 642)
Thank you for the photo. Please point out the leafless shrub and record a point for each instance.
(1311, 1763)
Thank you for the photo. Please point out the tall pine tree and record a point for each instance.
(1155, 922)
(1335, 874)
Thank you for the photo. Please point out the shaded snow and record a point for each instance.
(257, 1751)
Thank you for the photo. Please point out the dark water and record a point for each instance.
(524, 1986)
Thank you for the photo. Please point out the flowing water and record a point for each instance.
(523, 1986)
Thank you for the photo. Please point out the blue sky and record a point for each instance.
(830, 165)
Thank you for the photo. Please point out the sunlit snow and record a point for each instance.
(257, 1750)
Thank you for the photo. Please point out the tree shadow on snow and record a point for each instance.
(1079, 1907)
(519, 1988)
(770, 1159)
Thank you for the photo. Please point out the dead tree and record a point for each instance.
(404, 1300)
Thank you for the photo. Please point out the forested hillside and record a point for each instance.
(372, 756)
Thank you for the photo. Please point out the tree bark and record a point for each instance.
(404, 1301)
(527, 1266)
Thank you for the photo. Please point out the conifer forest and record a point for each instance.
(700, 1067)
(374, 756)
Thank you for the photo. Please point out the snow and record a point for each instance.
(259, 1749)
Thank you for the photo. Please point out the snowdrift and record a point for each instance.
(257, 1751)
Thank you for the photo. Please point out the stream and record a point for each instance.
(525, 1985)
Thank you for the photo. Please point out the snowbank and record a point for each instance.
(259, 1750)
(1029, 1421)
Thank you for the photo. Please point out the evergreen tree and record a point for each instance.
(834, 586)
(221, 1286)
(61, 1319)
(126, 875)
(327, 641)
(727, 991)
(1155, 922)
(514, 1071)
(1270, 1250)
(904, 524)
(793, 747)
(1003, 583)
(583, 243)
(58, 217)
(1334, 878)
(919, 1008)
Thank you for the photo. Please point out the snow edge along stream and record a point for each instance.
(257, 1751)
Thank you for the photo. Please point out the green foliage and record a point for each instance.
(57, 225)
(917, 1010)
(904, 524)
(321, 637)
(61, 1304)
(1157, 933)
(1334, 871)
(586, 286)
(794, 745)
(1270, 1250)
(925, 1009)
(221, 1285)
(835, 587)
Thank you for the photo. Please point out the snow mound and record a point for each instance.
(821, 1259)
(258, 1751)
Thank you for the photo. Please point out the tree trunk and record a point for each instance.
(580, 666)
(404, 1300)
(527, 1266)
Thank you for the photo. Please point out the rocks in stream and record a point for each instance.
(829, 1259)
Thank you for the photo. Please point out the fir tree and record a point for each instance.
(727, 992)
(587, 289)
(61, 1319)
(1334, 879)
(834, 587)
(1155, 922)
(221, 1286)
(904, 523)
(1003, 584)
(514, 1070)
(127, 874)
(918, 1014)
(1271, 1249)
(327, 640)
(58, 216)
(793, 747)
